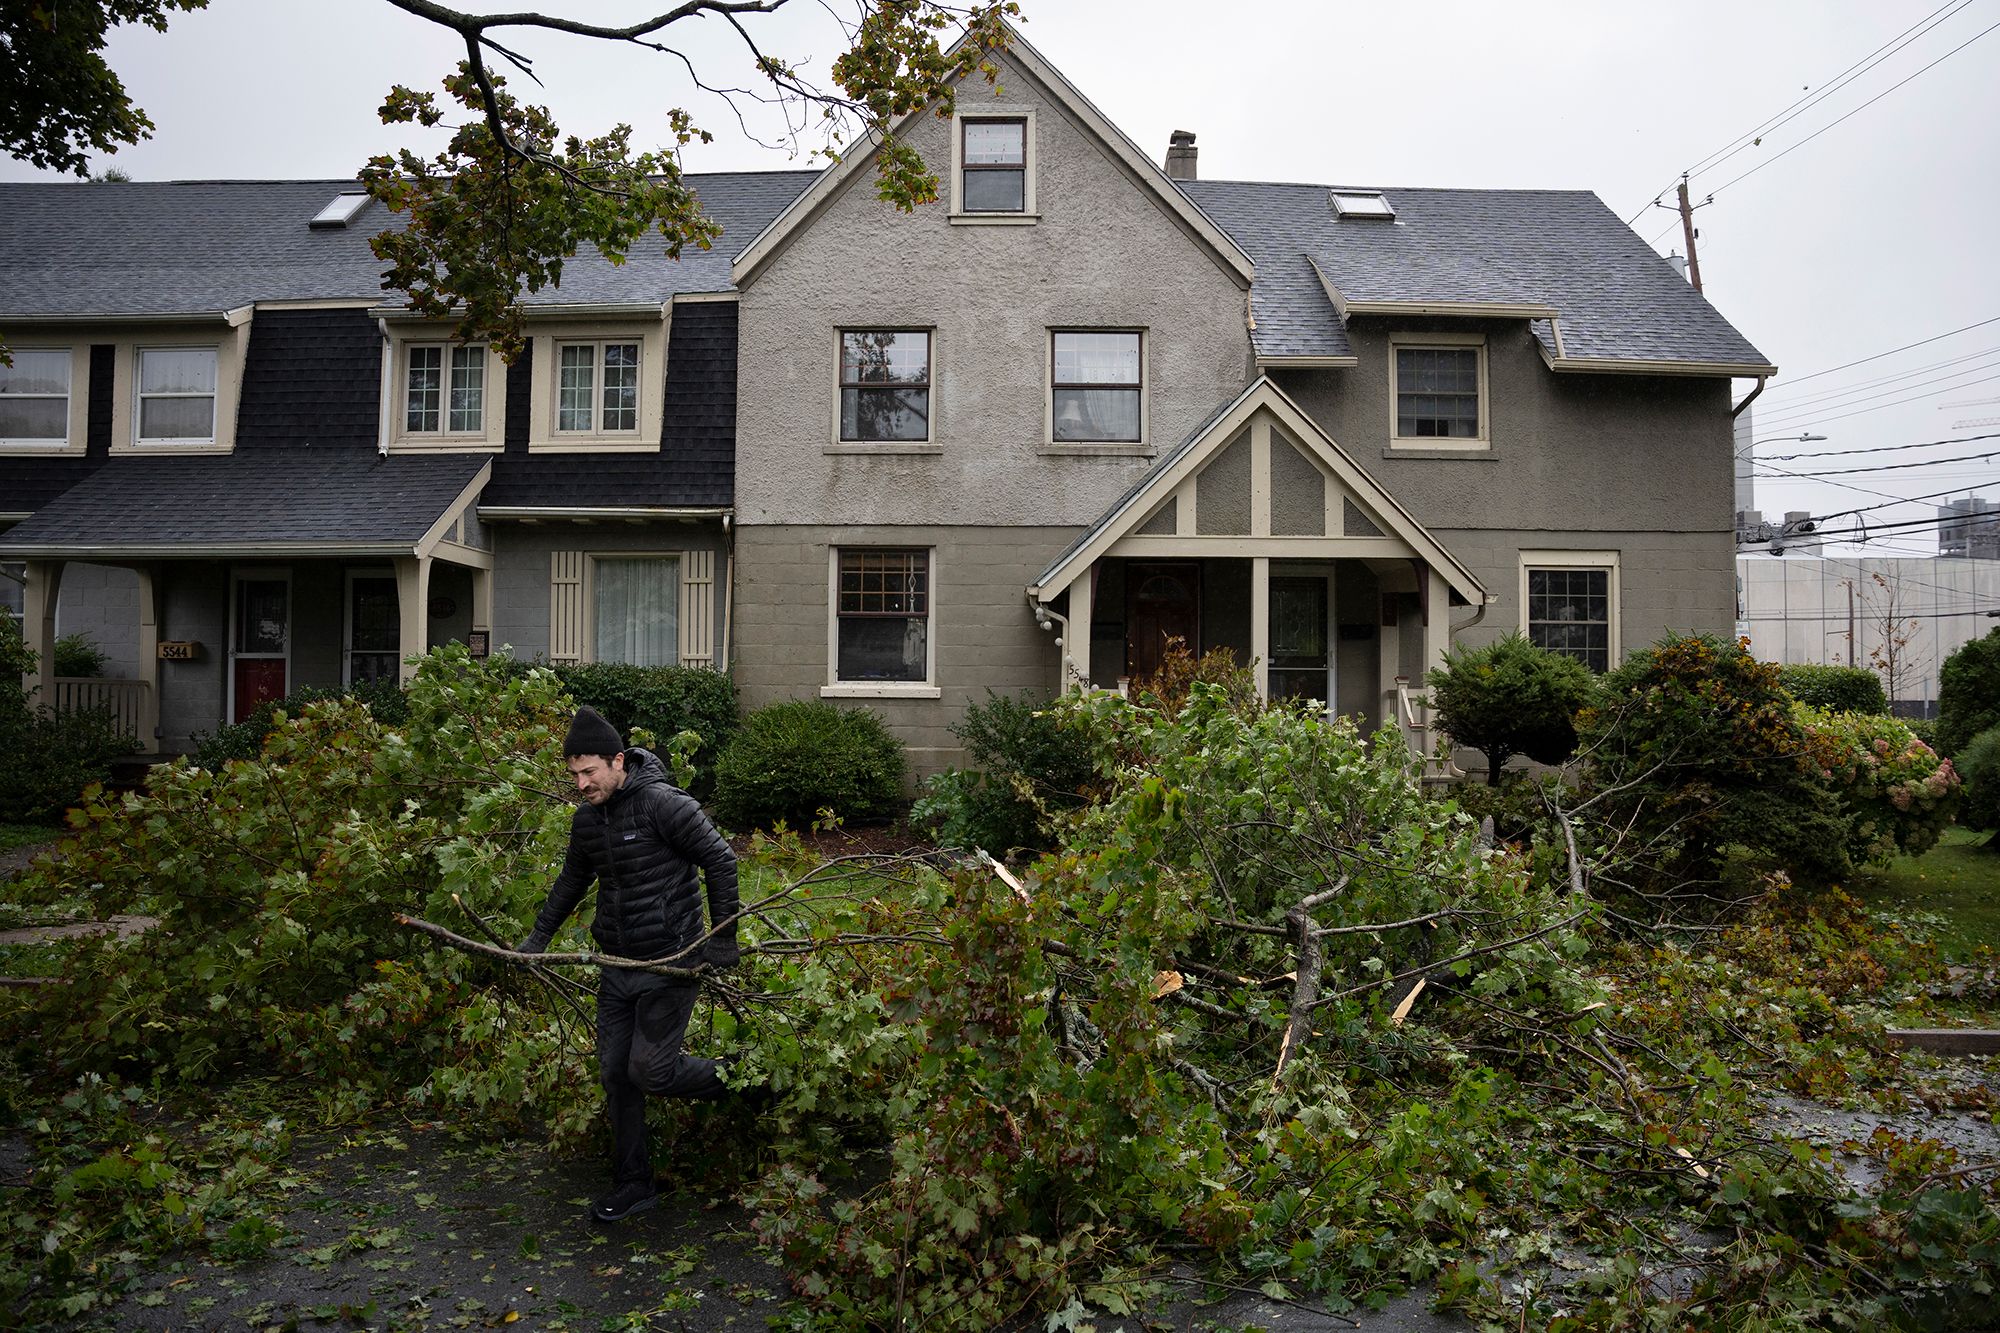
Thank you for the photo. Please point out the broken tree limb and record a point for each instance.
(1305, 990)
(458, 941)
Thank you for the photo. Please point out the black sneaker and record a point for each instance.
(624, 1201)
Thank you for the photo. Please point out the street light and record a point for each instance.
(1807, 438)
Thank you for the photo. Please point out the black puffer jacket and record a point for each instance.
(643, 847)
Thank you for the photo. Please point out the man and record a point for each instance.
(642, 839)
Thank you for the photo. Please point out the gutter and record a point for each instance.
(235, 317)
(530, 513)
(1738, 409)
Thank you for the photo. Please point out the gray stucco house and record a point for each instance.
(1021, 438)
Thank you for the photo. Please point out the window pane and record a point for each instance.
(885, 414)
(637, 610)
(468, 388)
(425, 388)
(1437, 392)
(576, 392)
(176, 418)
(991, 191)
(36, 372)
(882, 357)
(1097, 358)
(177, 370)
(1569, 611)
(377, 624)
(621, 386)
(261, 615)
(990, 142)
(34, 418)
(1097, 414)
(882, 648)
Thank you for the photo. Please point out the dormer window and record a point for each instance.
(445, 390)
(1362, 204)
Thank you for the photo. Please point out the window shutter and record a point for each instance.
(566, 606)
(698, 608)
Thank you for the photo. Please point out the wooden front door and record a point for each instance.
(1162, 603)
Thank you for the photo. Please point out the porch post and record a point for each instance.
(482, 603)
(149, 659)
(1437, 623)
(38, 627)
(1260, 623)
(413, 595)
(1075, 655)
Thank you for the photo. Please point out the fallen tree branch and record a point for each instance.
(458, 941)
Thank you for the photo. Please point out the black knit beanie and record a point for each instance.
(591, 734)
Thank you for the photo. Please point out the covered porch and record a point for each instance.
(1261, 535)
(256, 576)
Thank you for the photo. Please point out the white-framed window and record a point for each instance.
(1569, 604)
(635, 609)
(1438, 396)
(648, 608)
(34, 396)
(175, 402)
(597, 387)
(444, 389)
(882, 639)
(993, 166)
(885, 386)
(1096, 386)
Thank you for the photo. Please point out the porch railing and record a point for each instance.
(125, 699)
(1414, 715)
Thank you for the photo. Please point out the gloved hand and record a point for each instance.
(535, 942)
(721, 954)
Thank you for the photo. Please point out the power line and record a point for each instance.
(1921, 342)
(1876, 449)
(1896, 467)
(1850, 115)
(1786, 418)
(1911, 499)
(1814, 420)
(1824, 394)
(1737, 144)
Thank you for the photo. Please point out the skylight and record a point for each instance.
(1361, 204)
(341, 211)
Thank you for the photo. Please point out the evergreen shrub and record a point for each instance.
(245, 739)
(1511, 697)
(51, 758)
(1027, 768)
(77, 655)
(793, 759)
(664, 701)
(1835, 689)
(1968, 693)
(1979, 765)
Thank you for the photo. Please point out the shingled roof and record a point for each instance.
(1614, 298)
(192, 247)
(293, 500)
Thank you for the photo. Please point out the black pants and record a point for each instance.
(641, 1020)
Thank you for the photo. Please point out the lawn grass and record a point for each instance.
(25, 835)
(1952, 892)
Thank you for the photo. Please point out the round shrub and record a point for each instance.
(1834, 689)
(1511, 697)
(1029, 766)
(1968, 692)
(1897, 794)
(793, 759)
(1979, 765)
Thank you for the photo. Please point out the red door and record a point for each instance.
(260, 648)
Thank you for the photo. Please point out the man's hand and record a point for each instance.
(534, 943)
(721, 954)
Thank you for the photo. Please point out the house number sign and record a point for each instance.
(179, 650)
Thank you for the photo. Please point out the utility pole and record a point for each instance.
(1687, 230)
(1850, 620)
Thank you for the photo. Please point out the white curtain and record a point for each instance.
(638, 610)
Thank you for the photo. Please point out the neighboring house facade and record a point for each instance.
(1024, 437)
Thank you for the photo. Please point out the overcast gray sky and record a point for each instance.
(1827, 243)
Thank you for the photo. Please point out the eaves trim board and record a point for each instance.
(204, 551)
(766, 244)
(1470, 309)
(532, 312)
(492, 513)
(1261, 395)
(1307, 362)
(1598, 365)
(234, 317)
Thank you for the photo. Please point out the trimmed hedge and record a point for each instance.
(1028, 765)
(245, 739)
(663, 700)
(792, 759)
(1835, 689)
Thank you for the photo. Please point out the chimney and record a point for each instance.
(1180, 156)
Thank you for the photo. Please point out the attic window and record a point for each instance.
(341, 211)
(1361, 204)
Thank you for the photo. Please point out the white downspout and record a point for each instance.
(728, 595)
(1044, 616)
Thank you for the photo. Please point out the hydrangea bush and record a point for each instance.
(1898, 793)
